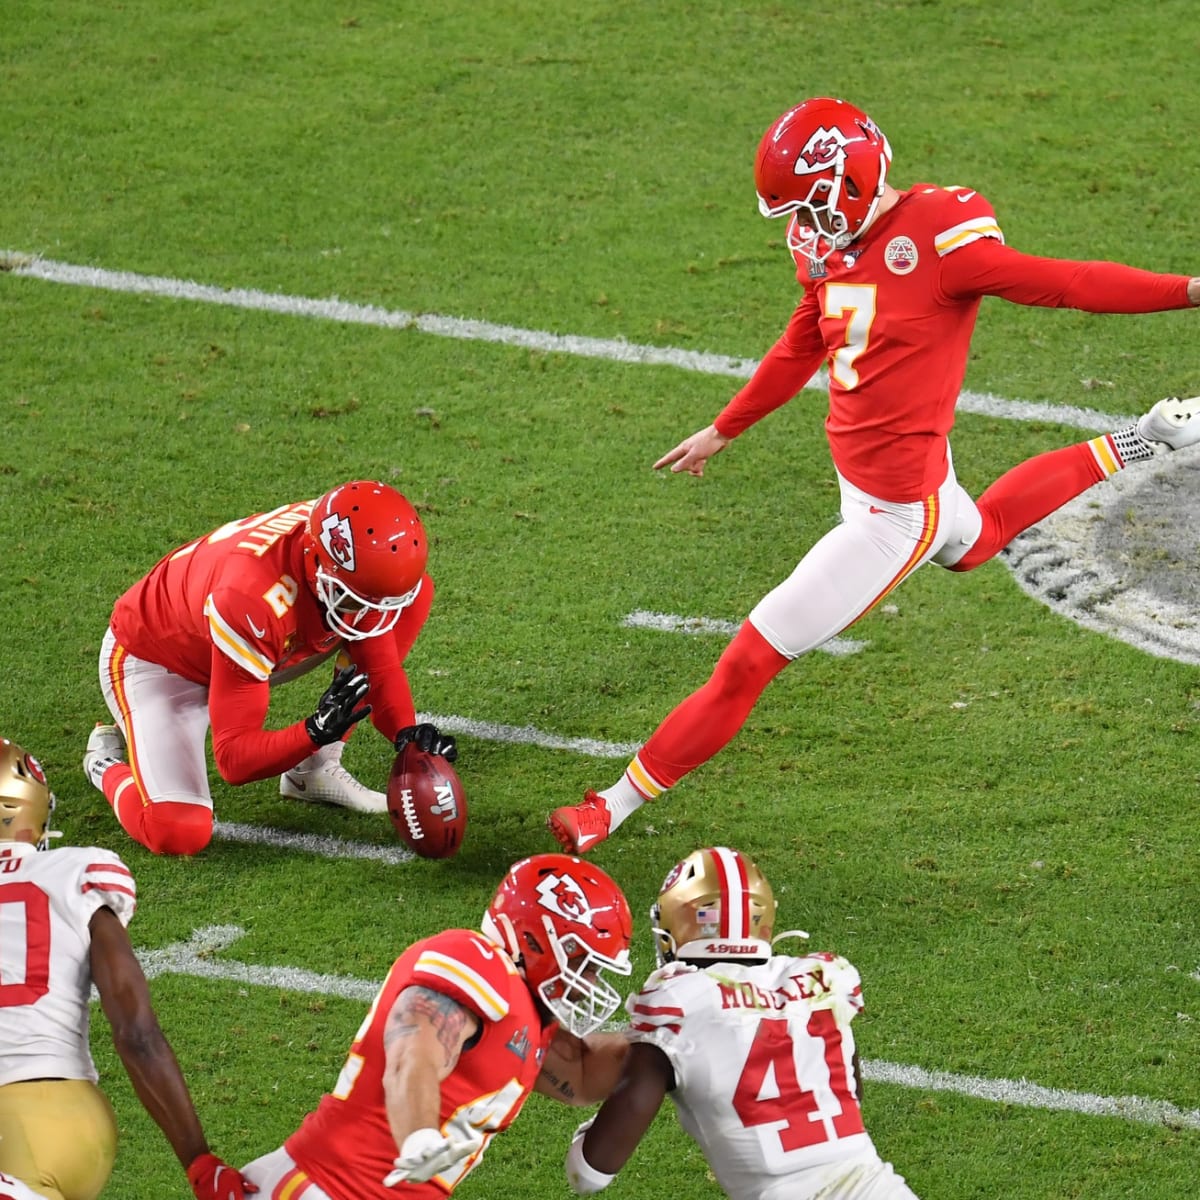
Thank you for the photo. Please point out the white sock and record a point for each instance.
(623, 799)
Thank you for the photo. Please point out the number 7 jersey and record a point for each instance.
(763, 1060)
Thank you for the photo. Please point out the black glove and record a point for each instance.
(428, 739)
(336, 712)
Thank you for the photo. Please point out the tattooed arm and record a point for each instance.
(582, 1070)
(423, 1037)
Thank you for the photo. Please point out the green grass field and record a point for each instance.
(989, 809)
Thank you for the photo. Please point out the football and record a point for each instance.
(426, 803)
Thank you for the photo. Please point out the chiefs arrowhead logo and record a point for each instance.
(562, 895)
(338, 540)
(823, 150)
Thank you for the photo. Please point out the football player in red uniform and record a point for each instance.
(465, 1026)
(65, 913)
(218, 622)
(774, 1100)
(892, 283)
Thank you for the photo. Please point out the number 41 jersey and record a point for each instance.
(763, 1060)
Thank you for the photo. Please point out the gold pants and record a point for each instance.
(59, 1136)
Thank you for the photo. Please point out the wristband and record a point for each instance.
(581, 1175)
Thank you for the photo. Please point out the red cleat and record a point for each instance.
(580, 827)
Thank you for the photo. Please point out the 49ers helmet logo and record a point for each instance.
(562, 895)
(338, 540)
(35, 769)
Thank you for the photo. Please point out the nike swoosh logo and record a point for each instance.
(254, 628)
(963, 197)
(584, 842)
(872, 508)
(484, 950)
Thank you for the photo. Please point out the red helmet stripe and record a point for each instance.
(735, 893)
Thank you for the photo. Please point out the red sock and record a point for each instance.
(707, 720)
(1027, 494)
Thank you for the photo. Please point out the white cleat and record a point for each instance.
(321, 779)
(105, 747)
(1173, 423)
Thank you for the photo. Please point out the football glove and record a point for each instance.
(429, 739)
(429, 1152)
(212, 1179)
(336, 711)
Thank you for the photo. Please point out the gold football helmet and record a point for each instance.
(26, 800)
(714, 905)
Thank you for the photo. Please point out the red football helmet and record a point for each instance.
(563, 921)
(366, 558)
(826, 162)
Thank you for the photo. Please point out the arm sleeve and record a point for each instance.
(787, 367)
(382, 658)
(989, 268)
(237, 707)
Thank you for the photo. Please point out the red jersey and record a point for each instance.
(892, 318)
(346, 1146)
(232, 611)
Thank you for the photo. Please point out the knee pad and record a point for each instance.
(175, 827)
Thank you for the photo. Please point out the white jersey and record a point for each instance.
(763, 1060)
(47, 901)
(14, 1189)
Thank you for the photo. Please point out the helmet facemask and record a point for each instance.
(346, 610)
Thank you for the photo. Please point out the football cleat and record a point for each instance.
(581, 827)
(1173, 423)
(105, 748)
(321, 779)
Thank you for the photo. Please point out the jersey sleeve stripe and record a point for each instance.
(655, 1027)
(655, 1010)
(966, 232)
(109, 887)
(117, 867)
(470, 982)
(234, 646)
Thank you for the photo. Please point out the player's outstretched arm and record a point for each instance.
(603, 1145)
(151, 1063)
(423, 1037)
(693, 452)
(582, 1071)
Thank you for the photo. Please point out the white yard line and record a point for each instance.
(616, 350)
(197, 957)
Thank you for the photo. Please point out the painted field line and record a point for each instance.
(196, 958)
(309, 843)
(16, 262)
(672, 623)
